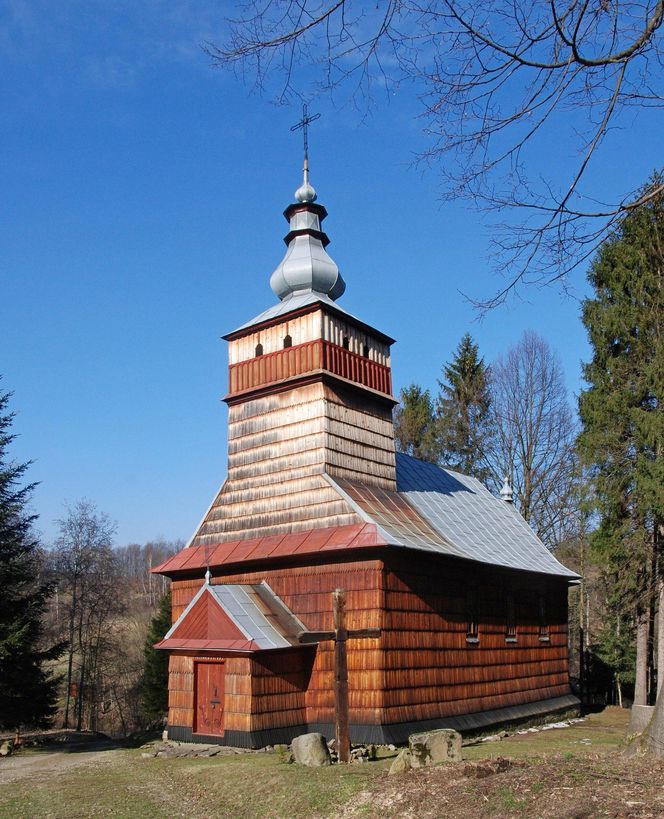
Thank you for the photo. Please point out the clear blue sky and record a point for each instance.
(140, 219)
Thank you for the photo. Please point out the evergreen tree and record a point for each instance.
(414, 424)
(463, 412)
(28, 691)
(155, 675)
(622, 411)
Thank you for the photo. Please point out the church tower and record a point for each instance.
(309, 396)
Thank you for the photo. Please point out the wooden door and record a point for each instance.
(209, 705)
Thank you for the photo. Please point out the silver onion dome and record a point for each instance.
(306, 267)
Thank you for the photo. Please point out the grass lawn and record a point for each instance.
(120, 783)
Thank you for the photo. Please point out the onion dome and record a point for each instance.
(506, 493)
(306, 267)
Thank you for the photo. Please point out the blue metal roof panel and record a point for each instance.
(478, 524)
(251, 611)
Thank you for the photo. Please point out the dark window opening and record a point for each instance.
(288, 341)
(543, 620)
(510, 620)
(345, 342)
(365, 351)
(259, 349)
(472, 617)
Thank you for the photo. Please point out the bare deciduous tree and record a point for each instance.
(497, 81)
(534, 430)
(87, 578)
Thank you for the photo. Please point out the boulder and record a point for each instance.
(7, 748)
(401, 763)
(432, 747)
(311, 750)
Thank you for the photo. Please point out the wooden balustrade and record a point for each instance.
(304, 358)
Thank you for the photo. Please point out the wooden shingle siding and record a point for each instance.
(431, 671)
(421, 667)
(280, 446)
(293, 687)
(307, 593)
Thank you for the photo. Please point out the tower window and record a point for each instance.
(365, 351)
(288, 341)
(259, 349)
(346, 343)
(510, 619)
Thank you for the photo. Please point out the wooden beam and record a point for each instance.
(315, 636)
(322, 636)
(340, 675)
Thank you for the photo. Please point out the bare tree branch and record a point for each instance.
(494, 79)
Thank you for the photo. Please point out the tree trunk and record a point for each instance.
(660, 634)
(642, 646)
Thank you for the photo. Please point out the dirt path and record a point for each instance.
(44, 763)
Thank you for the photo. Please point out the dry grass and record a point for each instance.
(575, 772)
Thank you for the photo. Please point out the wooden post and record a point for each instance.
(340, 635)
(340, 675)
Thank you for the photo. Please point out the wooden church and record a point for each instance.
(468, 606)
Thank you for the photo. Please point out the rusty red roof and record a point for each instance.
(354, 536)
(188, 644)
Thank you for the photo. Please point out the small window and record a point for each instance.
(472, 617)
(288, 341)
(510, 619)
(543, 620)
(365, 351)
(346, 343)
(259, 349)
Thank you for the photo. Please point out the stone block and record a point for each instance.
(311, 750)
(433, 747)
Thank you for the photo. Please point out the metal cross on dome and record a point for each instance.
(304, 125)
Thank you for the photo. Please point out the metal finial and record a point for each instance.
(507, 493)
(305, 193)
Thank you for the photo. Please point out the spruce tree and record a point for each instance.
(414, 424)
(463, 411)
(28, 690)
(622, 411)
(155, 674)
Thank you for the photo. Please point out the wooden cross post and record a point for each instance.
(340, 635)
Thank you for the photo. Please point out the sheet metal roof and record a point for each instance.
(475, 523)
(398, 521)
(435, 510)
(256, 611)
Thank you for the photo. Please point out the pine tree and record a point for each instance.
(28, 690)
(463, 411)
(622, 411)
(414, 424)
(155, 674)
